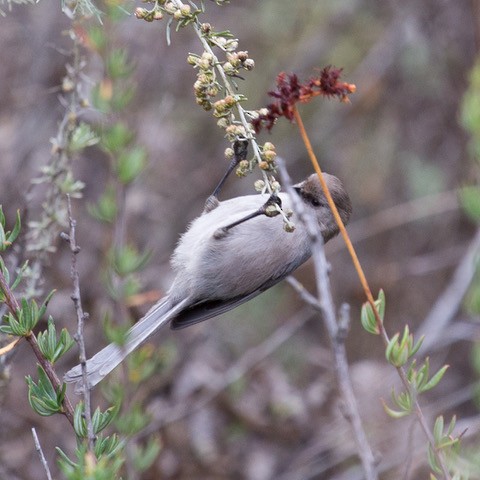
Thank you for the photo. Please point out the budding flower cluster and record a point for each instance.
(182, 14)
(223, 107)
(234, 131)
(268, 155)
(244, 168)
(236, 61)
(206, 86)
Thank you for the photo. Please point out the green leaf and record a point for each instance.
(417, 346)
(7, 237)
(438, 429)
(367, 318)
(13, 327)
(79, 424)
(116, 138)
(432, 460)
(108, 446)
(2, 217)
(118, 65)
(43, 308)
(132, 421)
(105, 210)
(82, 137)
(12, 236)
(394, 413)
(434, 380)
(42, 396)
(101, 420)
(64, 458)
(380, 304)
(127, 260)
(51, 347)
(131, 163)
(96, 37)
(143, 458)
(121, 97)
(470, 201)
(19, 276)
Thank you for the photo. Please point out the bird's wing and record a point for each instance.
(204, 310)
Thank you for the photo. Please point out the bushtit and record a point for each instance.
(227, 256)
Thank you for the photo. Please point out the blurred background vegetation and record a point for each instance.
(402, 147)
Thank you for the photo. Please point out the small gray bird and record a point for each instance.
(217, 272)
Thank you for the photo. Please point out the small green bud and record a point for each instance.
(289, 227)
(229, 153)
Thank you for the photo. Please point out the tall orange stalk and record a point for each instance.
(341, 226)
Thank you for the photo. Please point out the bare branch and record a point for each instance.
(328, 313)
(39, 450)
(448, 303)
(81, 317)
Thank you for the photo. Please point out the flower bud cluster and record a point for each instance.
(244, 168)
(180, 12)
(267, 162)
(267, 155)
(206, 86)
(236, 61)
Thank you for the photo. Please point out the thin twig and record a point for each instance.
(338, 346)
(81, 317)
(363, 280)
(14, 307)
(39, 450)
(448, 303)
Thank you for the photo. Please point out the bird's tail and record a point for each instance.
(103, 362)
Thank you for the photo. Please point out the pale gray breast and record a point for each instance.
(248, 256)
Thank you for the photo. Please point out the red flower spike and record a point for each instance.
(290, 91)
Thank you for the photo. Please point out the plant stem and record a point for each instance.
(366, 288)
(14, 307)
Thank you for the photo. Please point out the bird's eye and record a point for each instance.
(316, 202)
